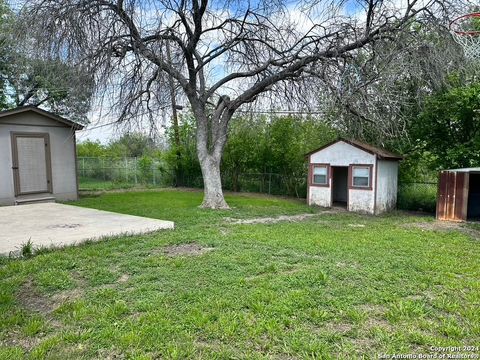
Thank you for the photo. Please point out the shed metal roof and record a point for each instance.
(474, 169)
(381, 153)
(48, 114)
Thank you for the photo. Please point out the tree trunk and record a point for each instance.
(211, 139)
(213, 193)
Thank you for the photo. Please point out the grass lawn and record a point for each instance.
(333, 285)
(91, 184)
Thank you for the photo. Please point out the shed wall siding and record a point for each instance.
(343, 154)
(362, 201)
(387, 186)
(62, 150)
(320, 196)
(6, 173)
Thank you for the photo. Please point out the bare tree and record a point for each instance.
(225, 54)
(383, 87)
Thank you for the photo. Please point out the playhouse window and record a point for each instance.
(320, 173)
(361, 176)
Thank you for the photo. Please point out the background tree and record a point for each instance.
(91, 148)
(182, 154)
(225, 54)
(287, 141)
(449, 128)
(245, 150)
(29, 77)
(132, 145)
(128, 145)
(50, 84)
(6, 20)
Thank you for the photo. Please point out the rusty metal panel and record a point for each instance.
(442, 195)
(461, 196)
(453, 195)
(450, 202)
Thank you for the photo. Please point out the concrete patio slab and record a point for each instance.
(56, 225)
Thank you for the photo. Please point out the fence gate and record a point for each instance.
(452, 198)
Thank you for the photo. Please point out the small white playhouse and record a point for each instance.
(353, 174)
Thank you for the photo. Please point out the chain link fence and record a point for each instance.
(101, 173)
(417, 196)
(123, 173)
(267, 183)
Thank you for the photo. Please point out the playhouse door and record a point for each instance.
(452, 201)
(31, 163)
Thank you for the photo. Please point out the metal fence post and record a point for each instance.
(126, 169)
(269, 183)
(103, 168)
(135, 170)
(153, 174)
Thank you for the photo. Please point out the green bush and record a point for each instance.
(145, 164)
(417, 197)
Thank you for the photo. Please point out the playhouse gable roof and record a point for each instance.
(382, 154)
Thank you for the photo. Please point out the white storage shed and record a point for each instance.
(349, 173)
(37, 157)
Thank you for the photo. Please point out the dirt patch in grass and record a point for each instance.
(372, 309)
(123, 279)
(363, 346)
(447, 226)
(339, 328)
(31, 299)
(64, 296)
(274, 220)
(186, 250)
(374, 322)
(276, 273)
(356, 225)
(424, 296)
(224, 231)
(436, 225)
(352, 265)
(17, 340)
(375, 316)
(110, 354)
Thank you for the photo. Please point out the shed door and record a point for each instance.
(452, 200)
(31, 163)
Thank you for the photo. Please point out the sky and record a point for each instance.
(103, 128)
(103, 134)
